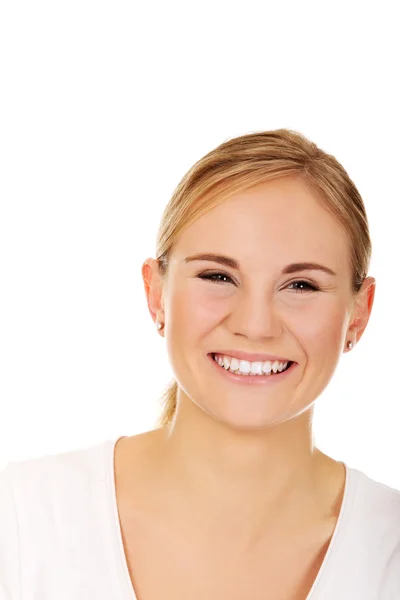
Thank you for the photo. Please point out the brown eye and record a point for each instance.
(214, 277)
(309, 286)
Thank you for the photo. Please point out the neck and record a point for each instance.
(244, 480)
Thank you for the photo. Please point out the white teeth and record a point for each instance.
(256, 368)
(234, 364)
(267, 367)
(244, 367)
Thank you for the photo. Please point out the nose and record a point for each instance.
(255, 316)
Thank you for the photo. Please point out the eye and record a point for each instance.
(309, 285)
(219, 278)
(213, 277)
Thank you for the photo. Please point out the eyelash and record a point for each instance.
(209, 277)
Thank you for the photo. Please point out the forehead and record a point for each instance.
(274, 222)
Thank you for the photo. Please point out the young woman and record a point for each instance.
(259, 286)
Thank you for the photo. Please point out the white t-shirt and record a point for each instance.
(60, 536)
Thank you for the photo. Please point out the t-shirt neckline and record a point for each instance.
(116, 532)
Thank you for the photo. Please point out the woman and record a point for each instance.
(259, 286)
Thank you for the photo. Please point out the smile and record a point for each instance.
(252, 373)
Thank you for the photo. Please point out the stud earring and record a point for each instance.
(349, 345)
(159, 325)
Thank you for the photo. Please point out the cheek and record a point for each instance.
(191, 316)
(192, 313)
(324, 329)
(197, 306)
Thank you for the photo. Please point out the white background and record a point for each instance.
(104, 107)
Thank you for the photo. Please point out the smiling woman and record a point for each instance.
(287, 197)
(259, 286)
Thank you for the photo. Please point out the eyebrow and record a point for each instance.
(234, 264)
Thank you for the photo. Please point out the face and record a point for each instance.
(305, 316)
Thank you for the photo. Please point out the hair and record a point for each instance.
(243, 162)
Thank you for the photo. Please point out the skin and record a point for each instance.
(242, 458)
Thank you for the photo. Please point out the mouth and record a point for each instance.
(252, 378)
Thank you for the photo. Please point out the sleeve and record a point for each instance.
(9, 538)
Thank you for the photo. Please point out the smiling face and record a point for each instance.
(256, 307)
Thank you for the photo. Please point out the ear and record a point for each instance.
(153, 288)
(362, 308)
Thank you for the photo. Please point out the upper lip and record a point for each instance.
(251, 356)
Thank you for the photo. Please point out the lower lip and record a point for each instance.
(253, 379)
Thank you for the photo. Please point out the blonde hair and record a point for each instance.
(242, 162)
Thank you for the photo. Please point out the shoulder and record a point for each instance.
(45, 502)
(378, 518)
(39, 487)
(53, 515)
(375, 510)
(50, 471)
(376, 494)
